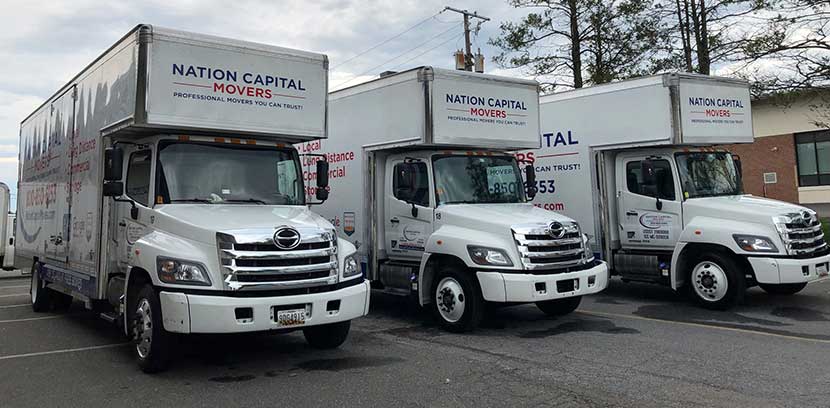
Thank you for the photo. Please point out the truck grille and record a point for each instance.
(543, 250)
(804, 238)
(253, 261)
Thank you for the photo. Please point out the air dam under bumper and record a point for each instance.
(186, 313)
(787, 270)
(524, 287)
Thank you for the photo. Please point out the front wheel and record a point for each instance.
(457, 302)
(152, 342)
(327, 336)
(559, 307)
(783, 289)
(716, 281)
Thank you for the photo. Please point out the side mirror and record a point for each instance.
(113, 164)
(647, 172)
(322, 175)
(113, 189)
(530, 182)
(738, 167)
(322, 194)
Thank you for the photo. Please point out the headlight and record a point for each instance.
(350, 267)
(489, 256)
(182, 272)
(754, 243)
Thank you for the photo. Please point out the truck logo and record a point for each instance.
(286, 238)
(348, 223)
(556, 229)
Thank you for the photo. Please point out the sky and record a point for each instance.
(43, 44)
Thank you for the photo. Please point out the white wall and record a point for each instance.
(770, 119)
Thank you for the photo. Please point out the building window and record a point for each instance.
(813, 157)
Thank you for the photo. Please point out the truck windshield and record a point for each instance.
(708, 174)
(477, 179)
(213, 173)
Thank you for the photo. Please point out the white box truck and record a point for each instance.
(160, 186)
(633, 163)
(8, 242)
(5, 225)
(429, 193)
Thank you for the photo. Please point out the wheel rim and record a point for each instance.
(34, 287)
(449, 296)
(710, 281)
(143, 328)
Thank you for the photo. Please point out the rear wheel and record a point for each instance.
(716, 281)
(457, 302)
(559, 307)
(327, 336)
(783, 289)
(41, 295)
(152, 342)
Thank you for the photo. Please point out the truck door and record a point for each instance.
(649, 211)
(407, 188)
(137, 187)
(60, 152)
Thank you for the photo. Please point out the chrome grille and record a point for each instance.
(251, 260)
(803, 237)
(541, 250)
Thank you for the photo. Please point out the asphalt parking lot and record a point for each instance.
(632, 345)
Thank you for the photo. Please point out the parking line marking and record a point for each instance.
(14, 287)
(11, 306)
(732, 329)
(31, 319)
(15, 294)
(45, 353)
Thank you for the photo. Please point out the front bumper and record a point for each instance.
(188, 313)
(524, 287)
(787, 270)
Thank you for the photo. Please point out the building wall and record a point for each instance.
(771, 154)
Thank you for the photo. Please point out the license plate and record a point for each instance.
(821, 269)
(292, 317)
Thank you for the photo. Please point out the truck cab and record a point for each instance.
(459, 231)
(684, 220)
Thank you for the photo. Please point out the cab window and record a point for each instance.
(664, 182)
(138, 177)
(402, 182)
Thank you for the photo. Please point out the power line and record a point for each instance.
(431, 49)
(392, 38)
(395, 57)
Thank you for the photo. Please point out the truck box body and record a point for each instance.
(660, 110)
(153, 80)
(420, 108)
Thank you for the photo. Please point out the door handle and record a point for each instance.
(395, 220)
(122, 224)
(631, 213)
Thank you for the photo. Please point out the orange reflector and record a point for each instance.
(698, 232)
(439, 242)
(250, 142)
(184, 138)
(280, 145)
(219, 140)
(236, 141)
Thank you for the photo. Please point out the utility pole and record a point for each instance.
(469, 61)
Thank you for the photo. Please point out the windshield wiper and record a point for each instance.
(191, 200)
(247, 200)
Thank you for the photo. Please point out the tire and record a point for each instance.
(456, 300)
(783, 289)
(152, 343)
(716, 282)
(42, 296)
(327, 336)
(559, 307)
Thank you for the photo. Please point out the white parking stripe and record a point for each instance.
(45, 353)
(15, 287)
(15, 294)
(11, 306)
(31, 319)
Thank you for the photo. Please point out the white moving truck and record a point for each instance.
(4, 221)
(427, 191)
(632, 162)
(8, 242)
(161, 187)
